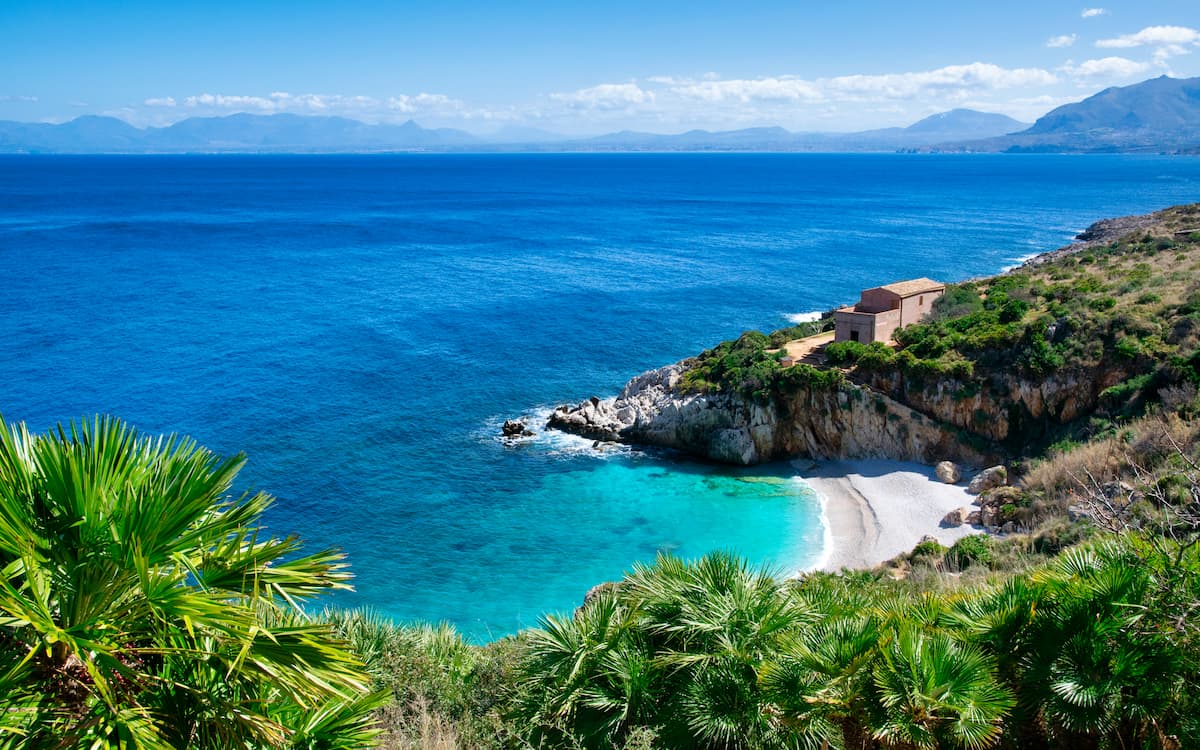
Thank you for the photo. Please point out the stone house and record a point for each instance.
(885, 309)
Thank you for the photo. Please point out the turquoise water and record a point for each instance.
(361, 326)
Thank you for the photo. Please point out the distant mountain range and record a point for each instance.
(294, 133)
(1162, 114)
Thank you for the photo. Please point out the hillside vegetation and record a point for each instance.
(1117, 324)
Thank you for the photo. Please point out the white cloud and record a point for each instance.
(223, 101)
(1158, 36)
(607, 97)
(1106, 67)
(21, 99)
(423, 101)
(1168, 41)
(1093, 12)
(760, 89)
(1064, 40)
(665, 103)
(948, 80)
(323, 104)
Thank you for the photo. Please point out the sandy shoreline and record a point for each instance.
(876, 509)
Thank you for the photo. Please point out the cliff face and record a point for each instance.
(1009, 410)
(844, 421)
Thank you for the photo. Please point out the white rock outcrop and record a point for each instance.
(818, 421)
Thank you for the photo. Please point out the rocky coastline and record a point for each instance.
(883, 416)
(818, 422)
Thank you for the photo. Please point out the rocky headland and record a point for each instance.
(1008, 366)
(844, 421)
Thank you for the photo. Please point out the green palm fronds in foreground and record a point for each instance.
(141, 604)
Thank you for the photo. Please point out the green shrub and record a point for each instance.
(928, 550)
(845, 352)
(974, 549)
(1013, 310)
(1128, 347)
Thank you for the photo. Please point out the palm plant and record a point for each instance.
(936, 693)
(590, 675)
(1084, 647)
(821, 682)
(141, 605)
(712, 624)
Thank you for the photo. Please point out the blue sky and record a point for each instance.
(581, 68)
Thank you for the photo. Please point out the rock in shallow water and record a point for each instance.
(515, 428)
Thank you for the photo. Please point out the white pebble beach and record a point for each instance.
(877, 509)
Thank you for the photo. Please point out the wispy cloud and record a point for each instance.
(18, 99)
(1106, 68)
(1154, 35)
(1093, 12)
(950, 80)
(667, 101)
(1064, 40)
(1168, 41)
(606, 97)
(316, 104)
(759, 89)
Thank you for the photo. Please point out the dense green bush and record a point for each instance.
(970, 550)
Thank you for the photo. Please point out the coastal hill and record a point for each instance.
(1162, 114)
(1004, 368)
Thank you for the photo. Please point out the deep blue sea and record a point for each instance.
(360, 326)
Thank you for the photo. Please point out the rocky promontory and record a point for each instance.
(843, 421)
(1003, 367)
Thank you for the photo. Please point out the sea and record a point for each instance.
(361, 326)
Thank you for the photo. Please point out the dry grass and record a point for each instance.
(417, 727)
(1136, 451)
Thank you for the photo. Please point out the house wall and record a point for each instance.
(847, 322)
(886, 324)
(913, 308)
(878, 300)
(870, 326)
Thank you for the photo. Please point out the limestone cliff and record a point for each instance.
(819, 421)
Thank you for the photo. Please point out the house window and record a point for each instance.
(921, 301)
(854, 335)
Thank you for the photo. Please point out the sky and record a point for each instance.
(581, 68)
